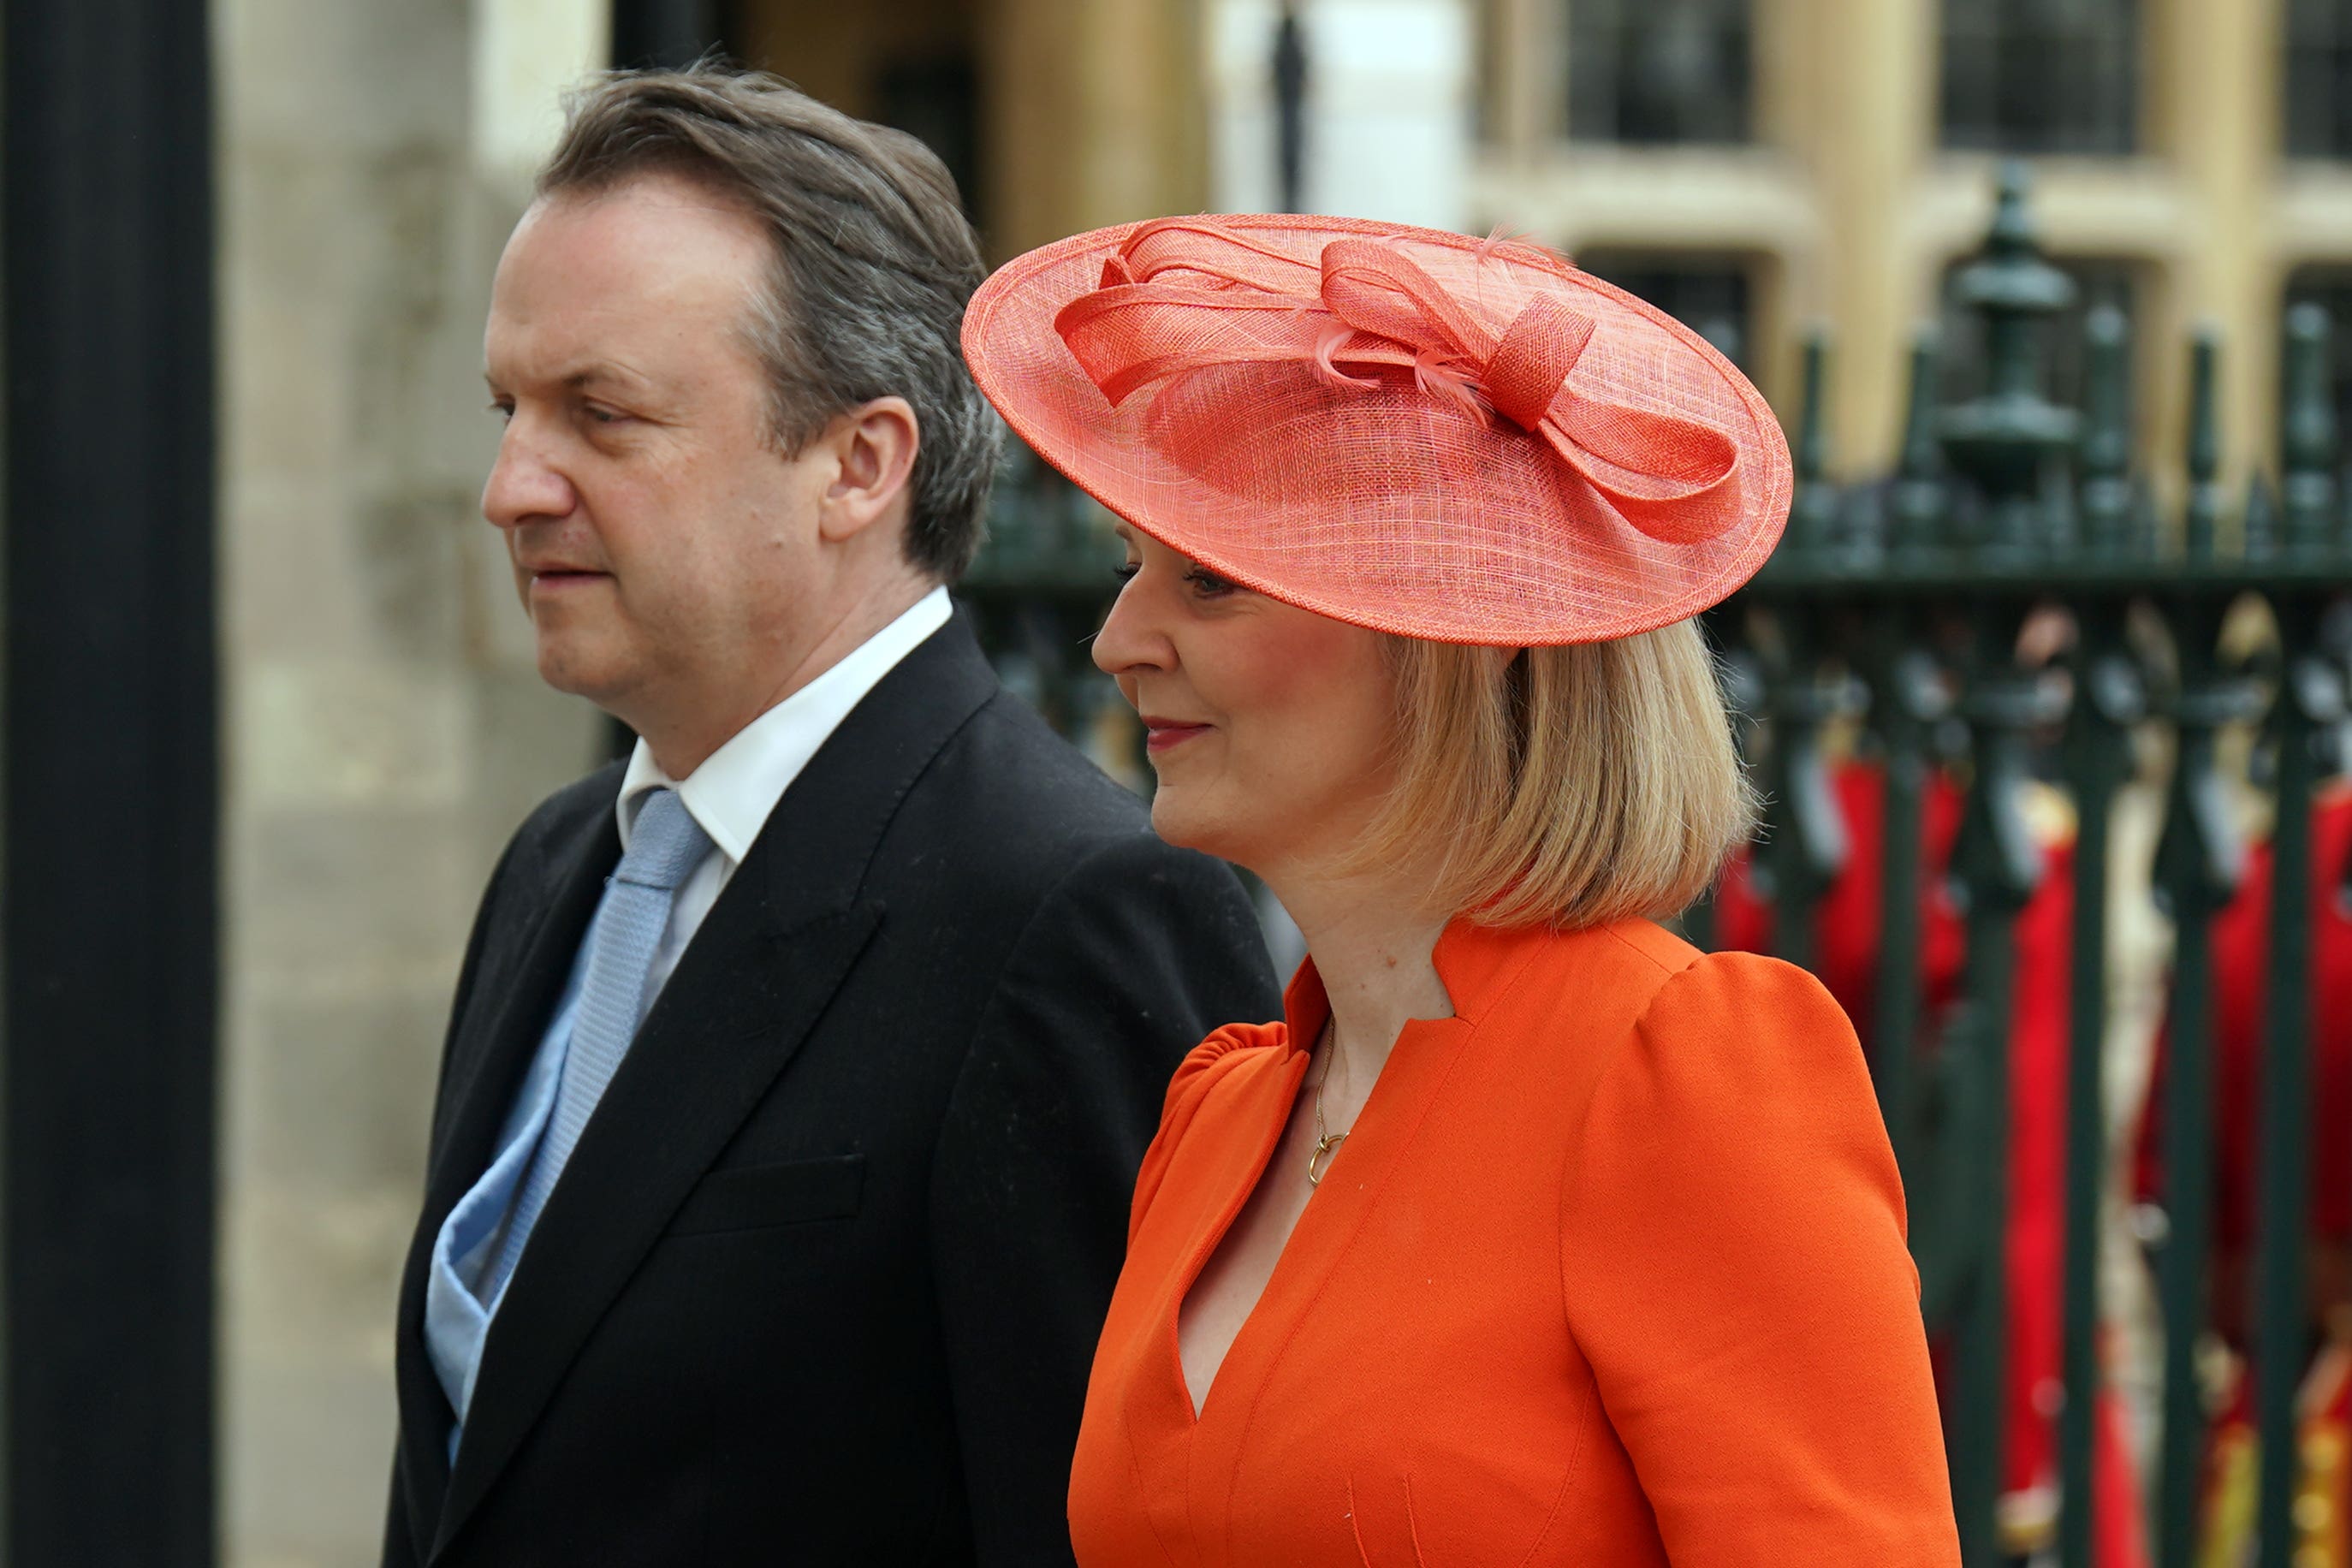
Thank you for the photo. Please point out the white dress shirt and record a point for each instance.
(736, 787)
(730, 796)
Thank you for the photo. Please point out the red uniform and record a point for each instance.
(1847, 956)
(2240, 945)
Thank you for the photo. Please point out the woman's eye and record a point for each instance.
(505, 411)
(1127, 569)
(1207, 583)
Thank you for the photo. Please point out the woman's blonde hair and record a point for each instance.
(1564, 786)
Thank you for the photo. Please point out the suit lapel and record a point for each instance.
(752, 984)
(513, 993)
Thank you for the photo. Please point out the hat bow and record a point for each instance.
(1366, 306)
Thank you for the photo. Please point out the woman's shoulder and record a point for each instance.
(1745, 1003)
(1599, 981)
(1746, 1057)
(1638, 971)
(1741, 1024)
(1587, 1011)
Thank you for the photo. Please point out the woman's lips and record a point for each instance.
(1164, 734)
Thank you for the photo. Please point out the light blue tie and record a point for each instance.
(665, 846)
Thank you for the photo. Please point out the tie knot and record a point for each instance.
(664, 844)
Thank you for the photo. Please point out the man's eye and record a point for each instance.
(601, 416)
(505, 411)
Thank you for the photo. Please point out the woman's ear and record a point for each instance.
(874, 446)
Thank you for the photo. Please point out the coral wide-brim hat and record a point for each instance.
(1418, 432)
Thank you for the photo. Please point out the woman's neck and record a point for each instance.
(1372, 946)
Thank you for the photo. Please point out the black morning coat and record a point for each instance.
(822, 1280)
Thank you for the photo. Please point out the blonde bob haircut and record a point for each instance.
(1565, 786)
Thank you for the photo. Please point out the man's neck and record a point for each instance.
(683, 736)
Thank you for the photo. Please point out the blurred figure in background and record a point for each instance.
(800, 1067)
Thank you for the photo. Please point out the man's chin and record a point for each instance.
(577, 672)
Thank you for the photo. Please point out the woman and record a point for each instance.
(1530, 1235)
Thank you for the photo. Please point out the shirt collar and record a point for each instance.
(731, 793)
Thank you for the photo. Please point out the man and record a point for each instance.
(799, 1069)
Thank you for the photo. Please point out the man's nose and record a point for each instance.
(1133, 636)
(523, 485)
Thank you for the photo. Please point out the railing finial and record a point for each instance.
(2104, 457)
(2308, 439)
(2005, 437)
(2201, 520)
(1812, 517)
(1916, 507)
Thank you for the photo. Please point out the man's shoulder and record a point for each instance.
(1021, 807)
(1012, 771)
(564, 816)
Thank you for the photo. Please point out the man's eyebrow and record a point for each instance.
(590, 374)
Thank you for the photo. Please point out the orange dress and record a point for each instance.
(1610, 1271)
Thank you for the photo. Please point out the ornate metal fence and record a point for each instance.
(2013, 629)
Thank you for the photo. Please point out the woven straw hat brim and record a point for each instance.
(1365, 477)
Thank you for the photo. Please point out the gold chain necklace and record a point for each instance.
(1325, 1143)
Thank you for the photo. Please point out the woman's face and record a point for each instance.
(1270, 726)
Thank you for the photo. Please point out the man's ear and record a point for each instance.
(874, 447)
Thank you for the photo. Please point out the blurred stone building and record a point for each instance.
(1759, 167)
(384, 728)
(1753, 165)
(1783, 162)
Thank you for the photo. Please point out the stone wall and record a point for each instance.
(384, 729)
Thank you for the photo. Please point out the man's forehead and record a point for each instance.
(612, 351)
(621, 287)
(650, 238)
(506, 363)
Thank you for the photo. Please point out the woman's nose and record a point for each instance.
(1132, 637)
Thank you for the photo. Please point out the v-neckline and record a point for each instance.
(1306, 1009)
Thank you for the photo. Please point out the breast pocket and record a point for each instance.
(759, 1198)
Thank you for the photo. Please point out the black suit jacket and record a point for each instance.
(822, 1280)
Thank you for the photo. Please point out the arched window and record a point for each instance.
(2328, 285)
(2040, 76)
(2319, 79)
(1660, 70)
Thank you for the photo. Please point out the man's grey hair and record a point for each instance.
(874, 264)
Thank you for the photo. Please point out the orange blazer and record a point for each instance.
(1610, 1271)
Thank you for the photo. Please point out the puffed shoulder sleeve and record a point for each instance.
(1735, 1272)
(1196, 1076)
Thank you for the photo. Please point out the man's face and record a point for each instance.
(664, 547)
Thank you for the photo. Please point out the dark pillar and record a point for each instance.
(1290, 108)
(107, 894)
